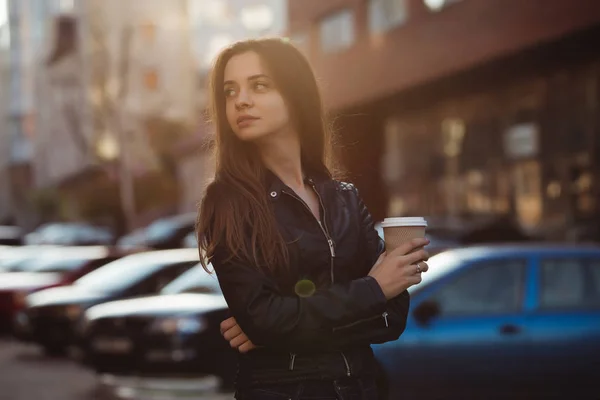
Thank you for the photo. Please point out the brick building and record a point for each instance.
(463, 107)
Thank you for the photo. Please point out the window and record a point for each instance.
(336, 31)
(386, 14)
(569, 284)
(488, 288)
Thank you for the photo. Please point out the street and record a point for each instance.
(27, 374)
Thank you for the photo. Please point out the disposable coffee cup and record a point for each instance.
(402, 229)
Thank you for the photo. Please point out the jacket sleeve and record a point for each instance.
(274, 320)
(390, 324)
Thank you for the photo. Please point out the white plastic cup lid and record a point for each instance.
(403, 221)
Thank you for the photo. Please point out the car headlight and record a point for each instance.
(73, 311)
(174, 325)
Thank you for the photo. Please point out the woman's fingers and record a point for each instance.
(242, 343)
(246, 347)
(228, 324)
(238, 340)
(422, 267)
(410, 246)
(413, 258)
(232, 332)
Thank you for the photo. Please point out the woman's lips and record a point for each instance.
(245, 121)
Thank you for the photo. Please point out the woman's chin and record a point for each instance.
(251, 135)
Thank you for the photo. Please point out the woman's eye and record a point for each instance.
(260, 86)
(229, 92)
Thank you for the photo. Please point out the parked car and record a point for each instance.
(58, 268)
(134, 240)
(53, 314)
(498, 321)
(170, 232)
(176, 332)
(11, 259)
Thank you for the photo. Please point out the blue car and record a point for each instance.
(518, 321)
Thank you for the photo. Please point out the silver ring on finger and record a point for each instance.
(419, 268)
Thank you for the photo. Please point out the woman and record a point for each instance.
(298, 259)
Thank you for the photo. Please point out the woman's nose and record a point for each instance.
(243, 99)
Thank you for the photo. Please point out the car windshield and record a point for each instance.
(124, 272)
(53, 265)
(439, 265)
(163, 228)
(14, 264)
(191, 280)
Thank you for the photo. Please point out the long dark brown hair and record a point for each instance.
(235, 215)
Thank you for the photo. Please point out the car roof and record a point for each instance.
(451, 260)
(494, 250)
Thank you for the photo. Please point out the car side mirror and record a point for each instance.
(426, 311)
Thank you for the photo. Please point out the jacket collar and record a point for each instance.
(275, 186)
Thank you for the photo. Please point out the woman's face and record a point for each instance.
(254, 106)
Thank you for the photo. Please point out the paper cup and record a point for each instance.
(399, 230)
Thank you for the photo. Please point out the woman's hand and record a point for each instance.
(397, 271)
(237, 339)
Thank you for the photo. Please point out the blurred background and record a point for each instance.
(481, 115)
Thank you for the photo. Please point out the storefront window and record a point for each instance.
(527, 192)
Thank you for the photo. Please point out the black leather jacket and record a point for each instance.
(305, 333)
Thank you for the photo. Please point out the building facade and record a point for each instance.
(114, 76)
(463, 107)
(28, 24)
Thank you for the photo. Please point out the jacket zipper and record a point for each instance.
(331, 251)
(384, 315)
(323, 228)
(348, 371)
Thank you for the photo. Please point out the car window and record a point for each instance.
(195, 280)
(492, 287)
(169, 274)
(157, 281)
(124, 273)
(569, 283)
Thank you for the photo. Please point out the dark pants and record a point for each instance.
(340, 389)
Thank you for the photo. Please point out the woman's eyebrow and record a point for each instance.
(250, 78)
(257, 76)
